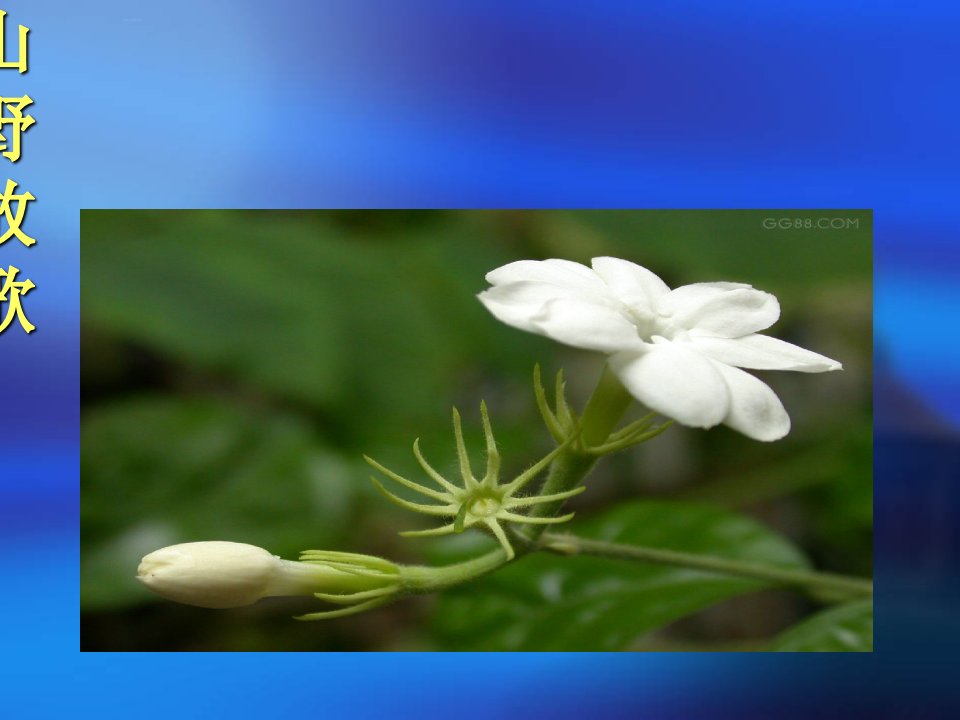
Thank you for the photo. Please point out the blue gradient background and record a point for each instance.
(492, 104)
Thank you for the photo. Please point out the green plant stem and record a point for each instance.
(604, 408)
(566, 472)
(565, 544)
(423, 579)
(601, 415)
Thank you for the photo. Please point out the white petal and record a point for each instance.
(556, 272)
(755, 410)
(676, 382)
(518, 303)
(590, 326)
(634, 285)
(724, 309)
(761, 352)
(692, 296)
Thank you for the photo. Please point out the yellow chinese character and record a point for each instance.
(18, 123)
(15, 217)
(21, 63)
(10, 292)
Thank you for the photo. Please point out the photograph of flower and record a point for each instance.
(544, 430)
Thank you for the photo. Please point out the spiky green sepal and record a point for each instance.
(481, 502)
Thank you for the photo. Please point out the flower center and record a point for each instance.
(484, 506)
(648, 325)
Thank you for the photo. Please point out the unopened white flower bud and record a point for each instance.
(217, 574)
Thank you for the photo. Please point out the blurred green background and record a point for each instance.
(235, 365)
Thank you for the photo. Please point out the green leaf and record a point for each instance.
(584, 603)
(846, 628)
(159, 471)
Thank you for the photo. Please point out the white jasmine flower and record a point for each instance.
(679, 352)
(217, 574)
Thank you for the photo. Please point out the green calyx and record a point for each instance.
(370, 582)
(483, 502)
(609, 399)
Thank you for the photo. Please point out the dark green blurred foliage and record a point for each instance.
(235, 365)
